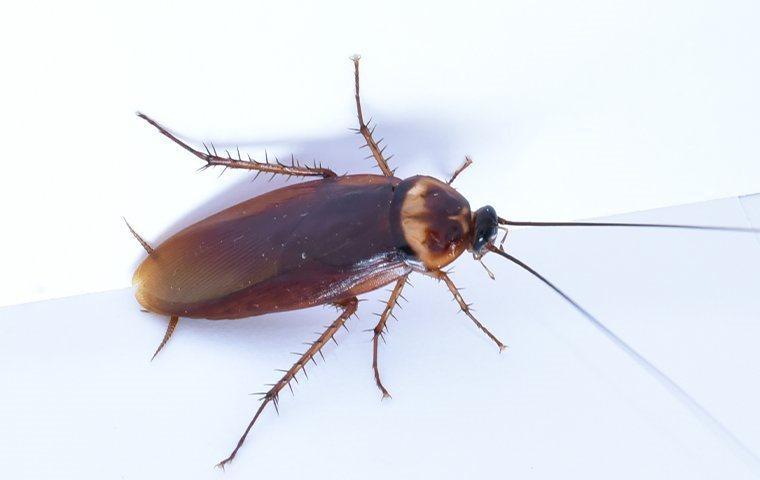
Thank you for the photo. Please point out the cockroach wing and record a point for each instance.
(307, 244)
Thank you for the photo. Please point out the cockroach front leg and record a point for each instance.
(365, 130)
(349, 308)
(380, 329)
(294, 169)
(467, 162)
(465, 306)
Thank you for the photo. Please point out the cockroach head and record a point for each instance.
(486, 228)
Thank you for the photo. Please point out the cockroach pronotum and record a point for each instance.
(327, 241)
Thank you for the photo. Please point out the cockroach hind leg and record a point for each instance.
(366, 130)
(144, 244)
(173, 321)
(380, 328)
(348, 309)
(214, 159)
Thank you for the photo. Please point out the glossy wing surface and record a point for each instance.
(301, 245)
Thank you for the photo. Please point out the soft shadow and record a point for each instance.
(251, 332)
(417, 146)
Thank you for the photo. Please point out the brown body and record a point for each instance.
(328, 241)
(312, 243)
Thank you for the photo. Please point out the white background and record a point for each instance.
(569, 110)
(82, 400)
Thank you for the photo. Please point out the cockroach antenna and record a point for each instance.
(332, 239)
(516, 223)
(676, 390)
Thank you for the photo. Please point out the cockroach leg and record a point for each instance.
(349, 308)
(465, 307)
(380, 328)
(173, 321)
(144, 244)
(365, 130)
(295, 169)
(467, 162)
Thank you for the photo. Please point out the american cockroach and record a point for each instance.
(327, 241)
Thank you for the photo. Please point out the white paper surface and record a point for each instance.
(570, 110)
(81, 399)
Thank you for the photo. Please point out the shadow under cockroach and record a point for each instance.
(328, 241)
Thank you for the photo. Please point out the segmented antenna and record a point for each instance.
(516, 223)
(676, 390)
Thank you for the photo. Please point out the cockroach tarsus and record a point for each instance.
(330, 240)
(380, 329)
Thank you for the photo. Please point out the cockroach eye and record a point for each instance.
(486, 229)
(362, 232)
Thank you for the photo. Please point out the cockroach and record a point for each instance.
(330, 240)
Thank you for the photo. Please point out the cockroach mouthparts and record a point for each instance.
(329, 240)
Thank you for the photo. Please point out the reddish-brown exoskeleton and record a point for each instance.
(327, 241)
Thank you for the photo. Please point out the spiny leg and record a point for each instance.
(467, 162)
(213, 159)
(349, 308)
(380, 328)
(173, 321)
(366, 132)
(465, 307)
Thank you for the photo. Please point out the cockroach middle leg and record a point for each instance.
(173, 321)
(465, 306)
(294, 169)
(365, 130)
(349, 308)
(380, 328)
(467, 162)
